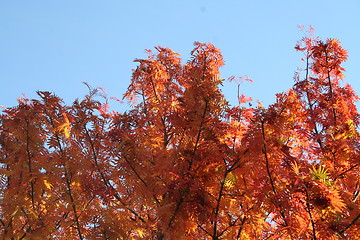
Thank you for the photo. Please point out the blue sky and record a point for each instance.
(57, 45)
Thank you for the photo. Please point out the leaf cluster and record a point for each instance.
(184, 164)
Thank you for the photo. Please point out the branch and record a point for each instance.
(346, 171)
(349, 225)
(175, 212)
(217, 208)
(331, 88)
(29, 164)
(241, 227)
(68, 181)
(140, 178)
(205, 230)
(107, 182)
(308, 209)
(267, 158)
(267, 162)
(311, 103)
(199, 134)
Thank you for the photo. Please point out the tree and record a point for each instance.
(184, 164)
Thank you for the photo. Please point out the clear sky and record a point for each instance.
(57, 45)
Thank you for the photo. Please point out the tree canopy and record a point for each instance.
(183, 163)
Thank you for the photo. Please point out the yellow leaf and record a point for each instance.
(65, 127)
(140, 232)
(296, 168)
(15, 212)
(66, 132)
(77, 184)
(47, 184)
(232, 202)
(230, 180)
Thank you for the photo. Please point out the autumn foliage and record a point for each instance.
(184, 164)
